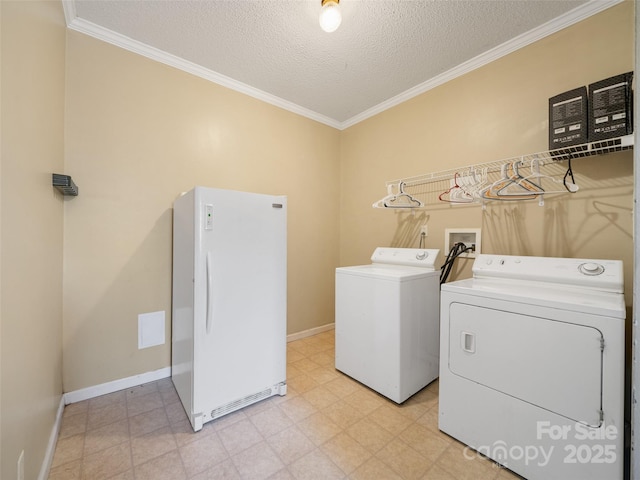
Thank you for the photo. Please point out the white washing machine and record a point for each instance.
(532, 365)
(387, 321)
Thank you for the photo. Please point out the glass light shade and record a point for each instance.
(330, 16)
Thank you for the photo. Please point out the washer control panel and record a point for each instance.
(413, 257)
(596, 274)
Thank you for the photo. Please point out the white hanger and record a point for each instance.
(535, 173)
(474, 181)
(402, 199)
(390, 196)
(456, 193)
(510, 176)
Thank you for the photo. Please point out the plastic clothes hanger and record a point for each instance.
(473, 181)
(510, 177)
(389, 197)
(491, 192)
(402, 199)
(517, 179)
(455, 193)
(535, 173)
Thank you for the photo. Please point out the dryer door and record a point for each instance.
(552, 364)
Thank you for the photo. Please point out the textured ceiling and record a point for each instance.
(384, 51)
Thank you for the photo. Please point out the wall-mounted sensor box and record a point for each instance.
(469, 236)
(568, 118)
(64, 184)
(610, 108)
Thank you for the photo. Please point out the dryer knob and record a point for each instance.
(421, 255)
(591, 269)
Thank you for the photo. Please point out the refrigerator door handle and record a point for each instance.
(209, 287)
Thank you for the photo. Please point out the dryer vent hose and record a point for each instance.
(457, 250)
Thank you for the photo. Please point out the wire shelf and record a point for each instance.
(428, 187)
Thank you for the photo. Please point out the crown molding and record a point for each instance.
(106, 35)
(70, 13)
(576, 15)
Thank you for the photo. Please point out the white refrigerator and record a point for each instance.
(229, 300)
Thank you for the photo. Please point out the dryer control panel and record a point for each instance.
(412, 257)
(605, 275)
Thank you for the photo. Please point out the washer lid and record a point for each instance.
(397, 273)
(415, 257)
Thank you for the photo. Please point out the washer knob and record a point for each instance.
(421, 255)
(591, 268)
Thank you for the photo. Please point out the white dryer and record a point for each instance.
(387, 321)
(532, 365)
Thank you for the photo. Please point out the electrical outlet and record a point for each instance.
(424, 230)
(21, 466)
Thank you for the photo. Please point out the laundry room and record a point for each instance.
(134, 133)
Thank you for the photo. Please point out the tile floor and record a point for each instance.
(327, 427)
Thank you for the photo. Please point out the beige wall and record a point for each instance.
(32, 118)
(498, 111)
(137, 134)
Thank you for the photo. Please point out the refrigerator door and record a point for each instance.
(239, 298)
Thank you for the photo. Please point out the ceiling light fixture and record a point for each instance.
(330, 16)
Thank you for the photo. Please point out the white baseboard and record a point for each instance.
(53, 439)
(116, 385)
(136, 380)
(310, 332)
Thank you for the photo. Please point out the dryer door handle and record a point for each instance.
(468, 342)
